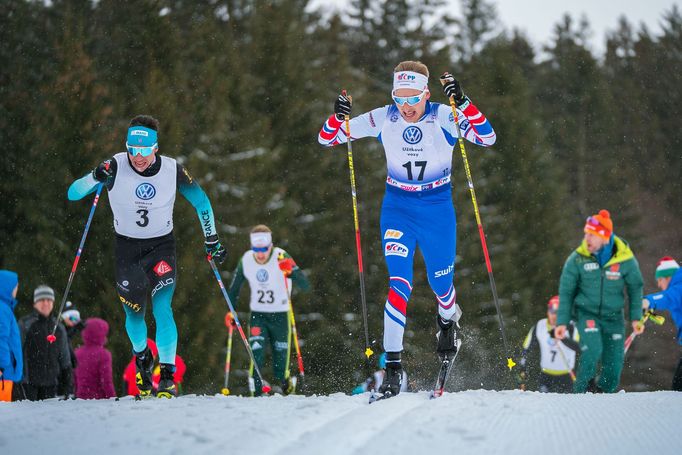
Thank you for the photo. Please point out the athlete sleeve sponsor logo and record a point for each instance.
(206, 220)
(145, 191)
(464, 124)
(393, 234)
(396, 249)
(161, 268)
(189, 177)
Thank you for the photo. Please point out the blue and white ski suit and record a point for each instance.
(417, 209)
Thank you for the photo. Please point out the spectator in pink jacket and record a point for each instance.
(93, 373)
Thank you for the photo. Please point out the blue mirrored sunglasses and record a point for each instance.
(411, 100)
(262, 249)
(138, 150)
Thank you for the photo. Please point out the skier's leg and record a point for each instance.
(613, 355)
(161, 271)
(280, 336)
(591, 350)
(399, 248)
(257, 340)
(677, 378)
(437, 240)
(131, 285)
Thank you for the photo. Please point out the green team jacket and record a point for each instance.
(587, 288)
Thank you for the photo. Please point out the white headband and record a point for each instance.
(261, 239)
(410, 79)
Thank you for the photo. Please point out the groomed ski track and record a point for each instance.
(470, 422)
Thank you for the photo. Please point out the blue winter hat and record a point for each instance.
(141, 140)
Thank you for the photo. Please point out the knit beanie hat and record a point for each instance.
(553, 304)
(43, 292)
(666, 267)
(600, 225)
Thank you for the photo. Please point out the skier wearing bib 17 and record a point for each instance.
(142, 186)
(418, 137)
(270, 272)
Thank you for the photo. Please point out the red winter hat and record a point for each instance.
(600, 225)
(553, 304)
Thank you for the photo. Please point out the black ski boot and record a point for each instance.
(167, 387)
(448, 342)
(144, 364)
(394, 375)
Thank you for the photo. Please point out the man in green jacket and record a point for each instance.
(591, 293)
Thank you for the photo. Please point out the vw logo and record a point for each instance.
(262, 275)
(412, 135)
(145, 191)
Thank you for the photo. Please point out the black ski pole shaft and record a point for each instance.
(51, 337)
(265, 389)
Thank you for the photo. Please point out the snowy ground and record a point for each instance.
(471, 422)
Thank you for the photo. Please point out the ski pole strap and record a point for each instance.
(656, 318)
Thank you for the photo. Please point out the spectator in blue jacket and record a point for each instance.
(669, 281)
(11, 359)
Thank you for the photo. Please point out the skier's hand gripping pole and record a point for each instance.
(266, 388)
(647, 316)
(51, 337)
(351, 168)
(510, 362)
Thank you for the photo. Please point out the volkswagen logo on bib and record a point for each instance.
(262, 275)
(412, 135)
(145, 191)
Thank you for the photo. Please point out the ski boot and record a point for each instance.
(394, 376)
(448, 340)
(144, 363)
(167, 387)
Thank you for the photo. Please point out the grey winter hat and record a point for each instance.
(43, 292)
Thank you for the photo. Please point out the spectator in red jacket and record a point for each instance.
(129, 373)
(94, 378)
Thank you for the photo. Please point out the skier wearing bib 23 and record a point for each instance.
(418, 137)
(142, 186)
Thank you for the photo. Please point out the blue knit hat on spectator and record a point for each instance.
(666, 267)
(43, 292)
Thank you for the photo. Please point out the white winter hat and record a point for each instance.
(666, 267)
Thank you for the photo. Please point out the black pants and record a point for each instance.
(556, 384)
(143, 265)
(677, 379)
(36, 392)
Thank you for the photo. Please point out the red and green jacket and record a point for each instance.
(586, 287)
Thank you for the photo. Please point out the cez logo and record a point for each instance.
(406, 77)
(396, 249)
(145, 191)
(262, 275)
(412, 135)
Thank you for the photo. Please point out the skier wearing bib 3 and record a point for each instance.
(142, 186)
(270, 272)
(418, 137)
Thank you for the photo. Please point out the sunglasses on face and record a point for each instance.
(143, 151)
(411, 100)
(262, 249)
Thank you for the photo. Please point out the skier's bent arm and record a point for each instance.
(196, 196)
(82, 187)
(237, 282)
(473, 125)
(369, 124)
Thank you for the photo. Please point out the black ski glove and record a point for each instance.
(103, 171)
(452, 88)
(215, 249)
(342, 107)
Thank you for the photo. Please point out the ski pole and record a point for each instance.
(229, 322)
(563, 357)
(292, 320)
(51, 337)
(648, 315)
(266, 389)
(510, 362)
(368, 350)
